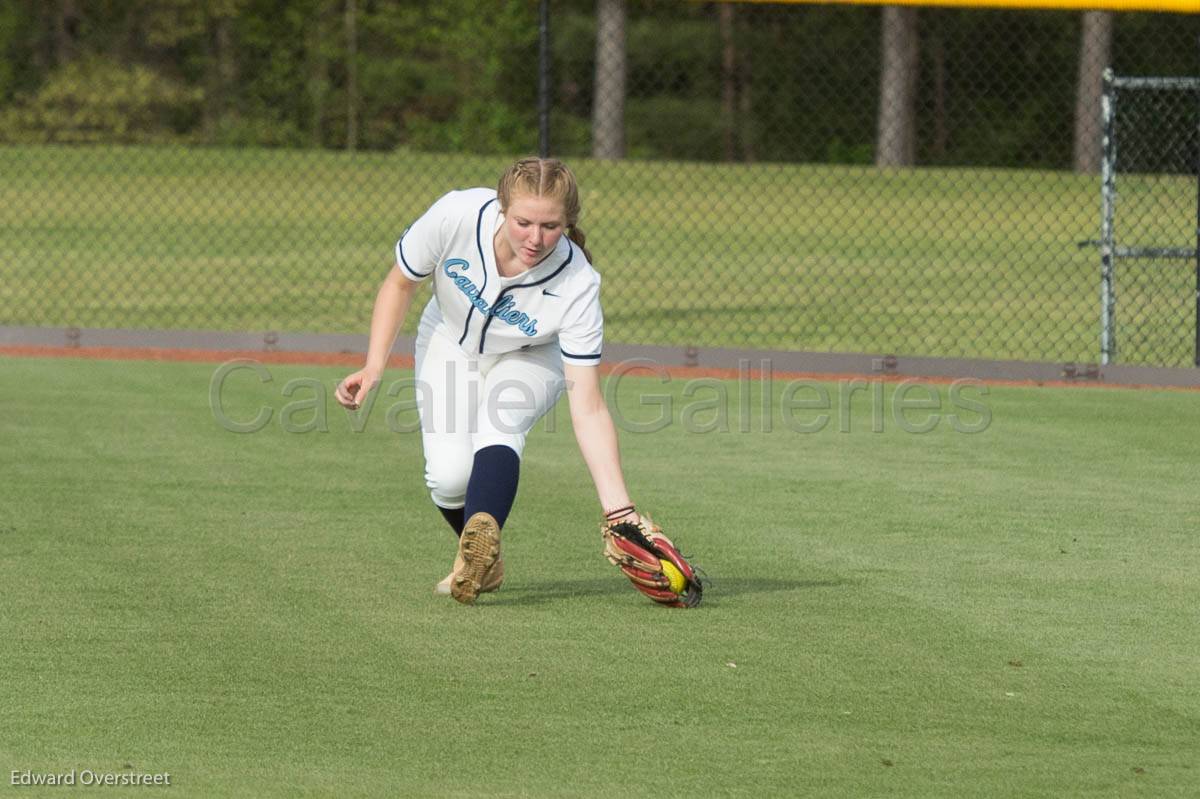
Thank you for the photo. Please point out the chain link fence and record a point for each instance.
(914, 181)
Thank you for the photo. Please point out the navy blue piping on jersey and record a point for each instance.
(482, 266)
(400, 248)
(503, 292)
(594, 357)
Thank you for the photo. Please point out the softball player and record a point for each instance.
(514, 321)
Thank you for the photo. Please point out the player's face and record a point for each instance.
(533, 226)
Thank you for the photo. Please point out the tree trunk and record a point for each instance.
(1095, 49)
(66, 31)
(896, 140)
(608, 105)
(221, 74)
(941, 133)
(746, 128)
(728, 80)
(318, 77)
(351, 75)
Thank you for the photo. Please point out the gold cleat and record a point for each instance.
(491, 580)
(479, 551)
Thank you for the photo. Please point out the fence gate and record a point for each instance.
(1150, 223)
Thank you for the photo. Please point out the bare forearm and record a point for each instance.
(391, 306)
(597, 438)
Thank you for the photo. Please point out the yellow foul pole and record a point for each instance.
(1175, 6)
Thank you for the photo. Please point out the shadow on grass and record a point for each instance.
(715, 589)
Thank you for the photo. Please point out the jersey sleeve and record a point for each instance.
(581, 338)
(420, 246)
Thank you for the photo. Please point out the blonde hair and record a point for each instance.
(545, 177)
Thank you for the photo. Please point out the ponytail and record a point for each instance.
(576, 234)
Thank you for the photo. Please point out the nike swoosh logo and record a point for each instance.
(549, 293)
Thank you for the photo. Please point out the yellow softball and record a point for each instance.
(678, 581)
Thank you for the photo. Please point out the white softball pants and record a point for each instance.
(468, 402)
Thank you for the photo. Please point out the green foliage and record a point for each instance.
(995, 87)
(463, 78)
(21, 70)
(99, 100)
(8, 39)
(673, 127)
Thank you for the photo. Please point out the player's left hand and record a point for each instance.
(644, 554)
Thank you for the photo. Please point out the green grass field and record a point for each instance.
(933, 262)
(1006, 613)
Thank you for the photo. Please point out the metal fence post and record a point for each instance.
(1107, 198)
(1197, 353)
(544, 79)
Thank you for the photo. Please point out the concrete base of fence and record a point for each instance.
(699, 358)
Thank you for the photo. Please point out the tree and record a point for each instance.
(98, 100)
(11, 18)
(351, 75)
(728, 79)
(1095, 50)
(319, 83)
(608, 104)
(896, 134)
(221, 66)
(66, 31)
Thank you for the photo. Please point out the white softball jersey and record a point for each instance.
(490, 350)
(487, 314)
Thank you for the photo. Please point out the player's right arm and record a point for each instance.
(391, 306)
(418, 252)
